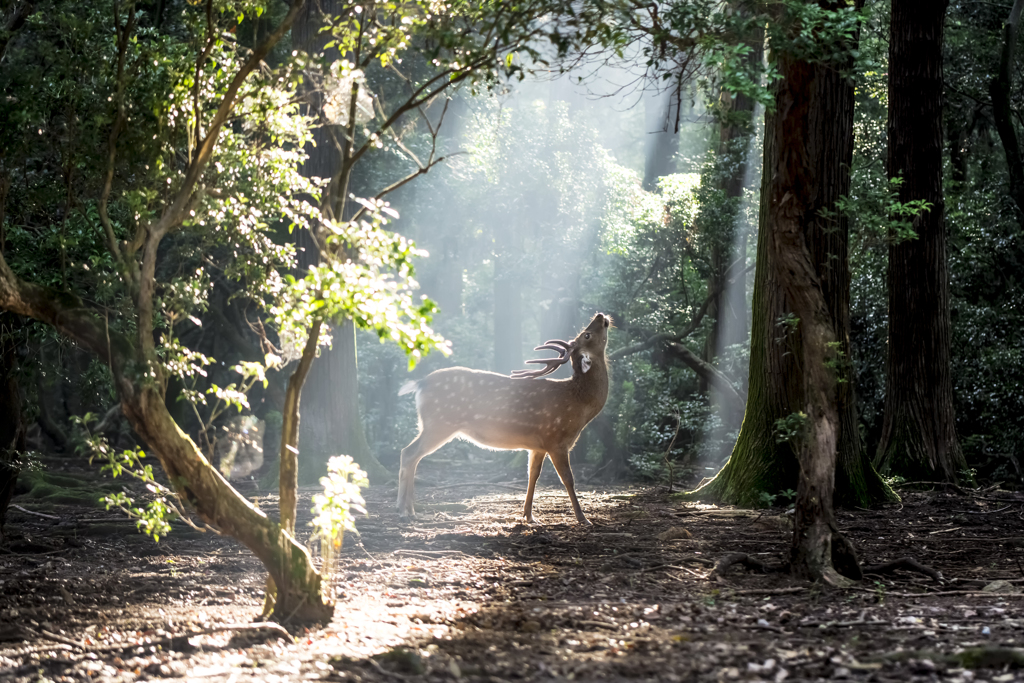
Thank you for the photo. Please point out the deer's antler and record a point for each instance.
(564, 352)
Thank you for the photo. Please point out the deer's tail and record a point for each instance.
(408, 387)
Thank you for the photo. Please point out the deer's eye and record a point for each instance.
(586, 336)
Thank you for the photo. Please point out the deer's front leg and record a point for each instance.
(560, 460)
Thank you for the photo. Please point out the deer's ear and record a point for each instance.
(585, 362)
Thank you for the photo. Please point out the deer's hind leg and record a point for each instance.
(536, 463)
(428, 441)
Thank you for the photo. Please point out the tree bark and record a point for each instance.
(728, 308)
(807, 153)
(919, 427)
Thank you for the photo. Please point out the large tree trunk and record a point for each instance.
(728, 307)
(813, 126)
(331, 423)
(919, 428)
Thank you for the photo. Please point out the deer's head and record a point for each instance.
(583, 351)
(589, 345)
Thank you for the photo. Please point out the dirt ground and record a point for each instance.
(469, 593)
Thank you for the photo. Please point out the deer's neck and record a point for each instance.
(592, 386)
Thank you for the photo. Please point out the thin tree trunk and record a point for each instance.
(1000, 87)
(508, 299)
(919, 427)
(661, 140)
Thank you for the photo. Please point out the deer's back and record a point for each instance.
(508, 414)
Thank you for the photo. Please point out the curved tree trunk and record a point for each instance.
(919, 427)
(820, 136)
(198, 483)
(139, 377)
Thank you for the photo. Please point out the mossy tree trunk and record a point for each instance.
(763, 461)
(919, 427)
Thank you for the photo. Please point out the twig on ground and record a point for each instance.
(936, 594)
(767, 591)
(35, 514)
(376, 665)
(990, 512)
(433, 554)
(42, 633)
(944, 484)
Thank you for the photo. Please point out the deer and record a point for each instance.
(523, 411)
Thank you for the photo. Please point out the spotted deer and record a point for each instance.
(524, 411)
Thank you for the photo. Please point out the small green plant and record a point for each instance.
(837, 361)
(783, 498)
(790, 429)
(155, 518)
(787, 325)
(333, 509)
(894, 481)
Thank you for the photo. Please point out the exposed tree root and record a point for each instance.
(971, 658)
(724, 564)
(908, 563)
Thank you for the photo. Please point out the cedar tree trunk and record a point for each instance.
(919, 428)
(807, 153)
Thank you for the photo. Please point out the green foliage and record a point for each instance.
(885, 218)
(790, 429)
(155, 518)
(782, 498)
(371, 284)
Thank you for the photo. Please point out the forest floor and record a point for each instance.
(469, 593)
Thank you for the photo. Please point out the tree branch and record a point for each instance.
(710, 374)
(175, 213)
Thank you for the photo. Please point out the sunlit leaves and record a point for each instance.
(366, 276)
